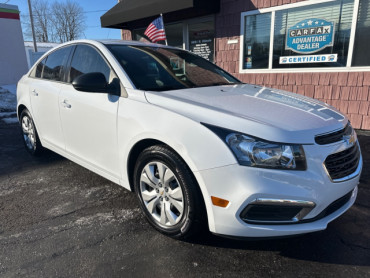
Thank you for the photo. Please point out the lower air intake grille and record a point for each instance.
(344, 163)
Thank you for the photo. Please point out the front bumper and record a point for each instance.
(242, 185)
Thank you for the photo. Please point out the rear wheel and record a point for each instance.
(169, 196)
(30, 137)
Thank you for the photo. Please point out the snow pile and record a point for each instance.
(8, 103)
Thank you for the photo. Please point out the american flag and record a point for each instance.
(155, 31)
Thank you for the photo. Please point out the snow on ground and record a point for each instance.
(8, 103)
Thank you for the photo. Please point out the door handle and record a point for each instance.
(66, 104)
(35, 93)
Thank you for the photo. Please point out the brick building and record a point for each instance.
(315, 48)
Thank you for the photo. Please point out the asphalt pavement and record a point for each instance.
(58, 219)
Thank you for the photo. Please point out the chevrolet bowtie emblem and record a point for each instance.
(349, 139)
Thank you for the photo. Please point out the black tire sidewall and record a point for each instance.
(170, 159)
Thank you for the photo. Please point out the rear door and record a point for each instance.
(44, 92)
(89, 120)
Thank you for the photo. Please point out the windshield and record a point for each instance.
(162, 69)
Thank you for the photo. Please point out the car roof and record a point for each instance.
(118, 42)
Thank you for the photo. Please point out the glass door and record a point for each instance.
(201, 39)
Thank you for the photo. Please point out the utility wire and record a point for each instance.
(84, 12)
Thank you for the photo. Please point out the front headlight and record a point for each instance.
(251, 151)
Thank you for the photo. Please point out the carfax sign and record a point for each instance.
(310, 35)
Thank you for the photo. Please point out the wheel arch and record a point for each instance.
(134, 153)
(20, 109)
(138, 147)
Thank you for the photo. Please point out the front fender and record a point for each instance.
(199, 147)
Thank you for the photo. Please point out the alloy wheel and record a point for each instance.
(28, 132)
(162, 194)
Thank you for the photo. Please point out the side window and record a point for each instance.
(85, 60)
(37, 71)
(55, 64)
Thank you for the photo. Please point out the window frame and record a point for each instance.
(45, 57)
(273, 10)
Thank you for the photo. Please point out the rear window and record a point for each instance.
(37, 71)
(55, 64)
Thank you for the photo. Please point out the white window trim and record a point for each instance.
(272, 10)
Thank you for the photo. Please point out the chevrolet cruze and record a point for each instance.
(198, 147)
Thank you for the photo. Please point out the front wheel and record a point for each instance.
(168, 193)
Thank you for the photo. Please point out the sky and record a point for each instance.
(93, 10)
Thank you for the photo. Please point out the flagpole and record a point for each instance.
(164, 29)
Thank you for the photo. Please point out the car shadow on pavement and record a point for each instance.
(331, 246)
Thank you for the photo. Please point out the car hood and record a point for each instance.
(270, 114)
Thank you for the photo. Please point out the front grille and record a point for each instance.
(342, 164)
(334, 136)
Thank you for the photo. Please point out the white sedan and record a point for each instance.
(199, 148)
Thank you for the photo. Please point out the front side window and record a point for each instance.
(86, 60)
(55, 64)
(161, 69)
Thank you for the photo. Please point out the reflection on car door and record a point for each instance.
(89, 119)
(44, 93)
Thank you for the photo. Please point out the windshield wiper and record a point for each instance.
(218, 84)
(164, 88)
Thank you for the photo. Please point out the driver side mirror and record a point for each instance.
(95, 82)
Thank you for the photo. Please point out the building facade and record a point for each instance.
(314, 48)
(13, 62)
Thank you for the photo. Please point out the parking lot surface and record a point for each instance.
(58, 219)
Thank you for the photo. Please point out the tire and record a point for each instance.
(168, 193)
(30, 136)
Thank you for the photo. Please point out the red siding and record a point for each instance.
(347, 91)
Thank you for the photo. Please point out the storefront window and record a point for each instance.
(138, 35)
(361, 53)
(319, 32)
(307, 35)
(201, 39)
(174, 35)
(257, 41)
(196, 35)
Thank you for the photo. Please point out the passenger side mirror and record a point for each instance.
(95, 82)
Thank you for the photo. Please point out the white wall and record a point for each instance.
(13, 62)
